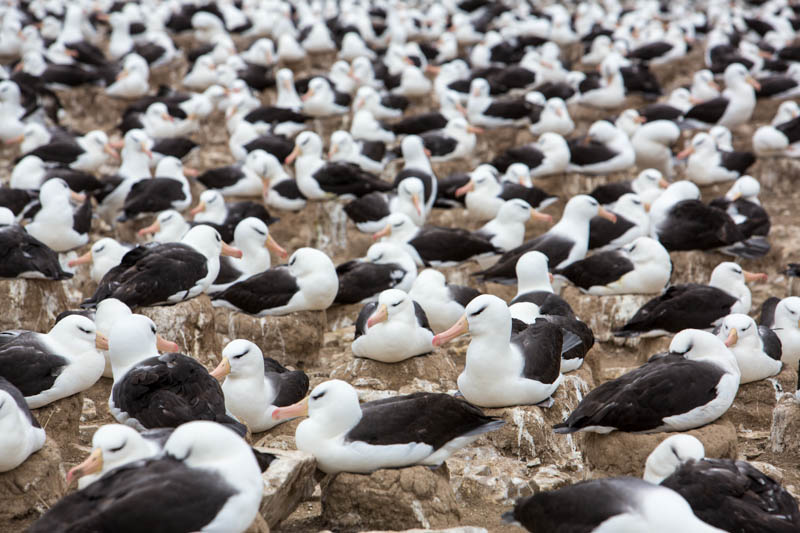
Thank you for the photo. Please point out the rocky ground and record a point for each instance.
(478, 483)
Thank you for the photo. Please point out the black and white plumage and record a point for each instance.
(484, 112)
(648, 184)
(318, 180)
(46, 367)
(57, 224)
(253, 239)
(443, 303)
(484, 195)
(757, 348)
(169, 189)
(166, 273)
(393, 329)
(207, 478)
(371, 211)
(564, 243)
(642, 267)
(386, 266)
(156, 391)
(505, 368)
(454, 141)
(731, 495)
(692, 385)
(114, 445)
(434, 245)
(307, 283)
(707, 163)
(534, 285)
(224, 217)
(589, 506)
(783, 317)
(421, 428)
(23, 256)
(86, 153)
(693, 225)
(734, 107)
(604, 149)
(21, 433)
(632, 222)
(742, 204)
(693, 305)
(255, 385)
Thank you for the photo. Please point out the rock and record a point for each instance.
(755, 401)
(61, 420)
(528, 432)
(397, 498)
(481, 474)
(259, 525)
(434, 372)
(785, 431)
(190, 324)
(288, 481)
(624, 454)
(31, 304)
(293, 339)
(31, 488)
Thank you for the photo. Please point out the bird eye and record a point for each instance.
(100, 249)
(241, 354)
(216, 236)
(479, 311)
(84, 330)
(292, 261)
(397, 303)
(397, 225)
(153, 328)
(318, 395)
(118, 448)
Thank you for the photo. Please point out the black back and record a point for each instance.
(267, 290)
(582, 153)
(20, 252)
(597, 270)
(27, 363)
(418, 124)
(347, 178)
(156, 495)
(533, 195)
(397, 420)
(169, 390)
(292, 385)
(540, 344)
(611, 192)
(435, 243)
(361, 279)
(768, 311)
(149, 275)
(602, 231)
(528, 154)
(152, 196)
(735, 496)
(641, 399)
(678, 308)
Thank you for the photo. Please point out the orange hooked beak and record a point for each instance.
(77, 197)
(464, 189)
(382, 233)
(155, 227)
(417, 206)
(292, 156)
(100, 341)
(85, 259)
(222, 370)
(230, 251)
(163, 345)
(733, 338)
(146, 150)
(15, 140)
(92, 464)
(306, 97)
(293, 411)
(542, 217)
(190, 172)
(608, 215)
(754, 276)
(686, 152)
(275, 247)
(199, 208)
(753, 82)
(457, 329)
(378, 316)
(474, 129)
(110, 150)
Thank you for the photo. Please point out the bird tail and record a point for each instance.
(626, 333)
(508, 517)
(563, 428)
(264, 459)
(752, 248)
